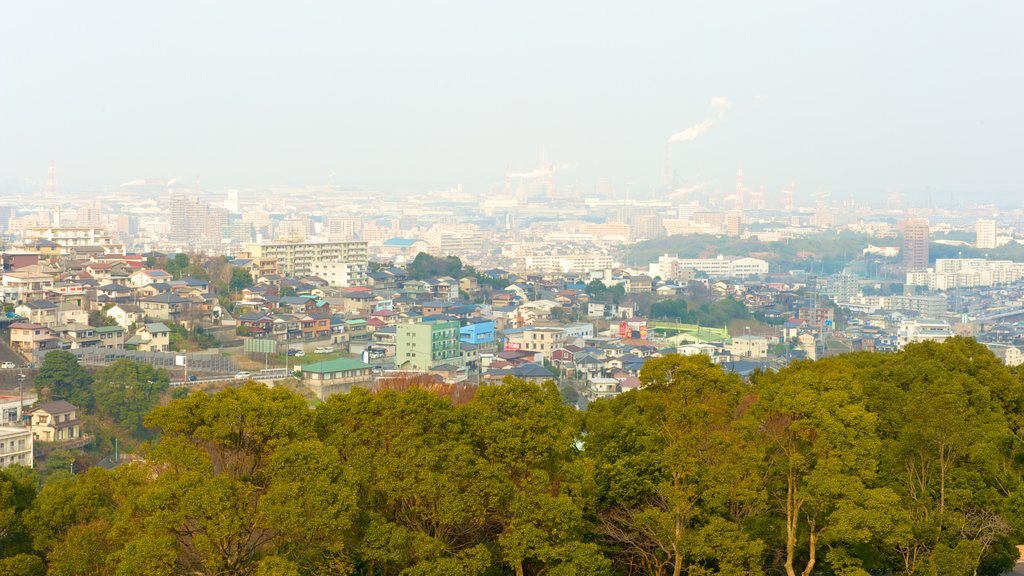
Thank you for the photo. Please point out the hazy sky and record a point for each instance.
(850, 97)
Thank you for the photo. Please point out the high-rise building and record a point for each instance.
(733, 221)
(915, 244)
(985, 234)
(188, 220)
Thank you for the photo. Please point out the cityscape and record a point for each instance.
(533, 291)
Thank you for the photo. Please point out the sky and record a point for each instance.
(854, 98)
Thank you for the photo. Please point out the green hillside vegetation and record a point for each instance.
(902, 464)
(828, 253)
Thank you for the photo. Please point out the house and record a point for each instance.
(152, 337)
(167, 306)
(337, 376)
(27, 339)
(126, 315)
(42, 312)
(55, 422)
(256, 324)
(114, 293)
(147, 277)
(315, 326)
(75, 336)
(110, 336)
(530, 371)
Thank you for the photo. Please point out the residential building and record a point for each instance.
(915, 331)
(985, 234)
(13, 407)
(672, 267)
(477, 331)
(110, 336)
(126, 315)
(953, 273)
(340, 274)
(151, 337)
(29, 339)
(55, 422)
(426, 345)
(69, 237)
(748, 346)
(15, 446)
(542, 339)
(337, 376)
(915, 244)
(296, 258)
(166, 306)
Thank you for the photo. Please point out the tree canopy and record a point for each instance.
(905, 464)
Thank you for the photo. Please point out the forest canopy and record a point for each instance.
(907, 463)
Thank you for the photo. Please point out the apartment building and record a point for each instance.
(15, 446)
(297, 258)
(427, 345)
(340, 274)
(952, 273)
(915, 331)
(672, 267)
(69, 237)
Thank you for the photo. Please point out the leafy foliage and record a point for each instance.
(62, 377)
(905, 464)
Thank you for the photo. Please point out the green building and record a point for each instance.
(426, 345)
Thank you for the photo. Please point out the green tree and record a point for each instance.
(17, 493)
(62, 377)
(126, 391)
(526, 432)
(175, 264)
(240, 280)
(677, 474)
(821, 450)
(99, 318)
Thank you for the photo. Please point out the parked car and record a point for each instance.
(299, 354)
(242, 375)
(192, 378)
(323, 350)
(8, 365)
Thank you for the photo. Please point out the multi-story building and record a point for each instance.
(567, 263)
(911, 332)
(542, 339)
(426, 345)
(722, 266)
(477, 331)
(15, 446)
(915, 244)
(733, 223)
(985, 234)
(953, 273)
(748, 346)
(340, 274)
(188, 219)
(70, 237)
(297, 258)
(926, 306)
(13, 407)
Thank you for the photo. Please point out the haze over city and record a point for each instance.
(863, 99)
(533, 289)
